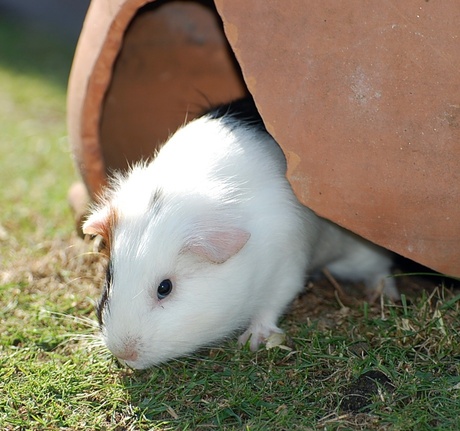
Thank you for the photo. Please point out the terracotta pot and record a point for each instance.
(364, 99)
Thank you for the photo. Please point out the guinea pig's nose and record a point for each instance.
(128, 352)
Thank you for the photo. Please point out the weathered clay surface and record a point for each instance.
(138, 74)
(365, 100)
(363, 97)
(98, 46)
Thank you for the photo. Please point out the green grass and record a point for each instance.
(36, 166)
(54, 374)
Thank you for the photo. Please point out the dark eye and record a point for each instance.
(164, 288)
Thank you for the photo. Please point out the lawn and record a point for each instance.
(350, 364)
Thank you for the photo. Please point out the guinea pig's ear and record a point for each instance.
(100, 222)
(217, 245)
(96, 223)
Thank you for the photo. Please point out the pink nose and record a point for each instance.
(128, 352)
(127, 355)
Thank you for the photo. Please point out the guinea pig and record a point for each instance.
(208, 238)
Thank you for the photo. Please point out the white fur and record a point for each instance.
(215, 181)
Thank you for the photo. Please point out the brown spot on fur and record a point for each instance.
(105, 230)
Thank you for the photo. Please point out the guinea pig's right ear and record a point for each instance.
(101, 222)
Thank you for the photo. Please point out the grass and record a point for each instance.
(54, 374)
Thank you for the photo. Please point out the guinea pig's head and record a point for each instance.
(171, 283)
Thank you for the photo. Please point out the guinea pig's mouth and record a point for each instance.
(135, 365)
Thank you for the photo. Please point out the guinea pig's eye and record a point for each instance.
(164, 288)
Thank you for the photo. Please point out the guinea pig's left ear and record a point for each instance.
(217, 244)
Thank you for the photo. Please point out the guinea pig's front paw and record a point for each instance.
(257, 334)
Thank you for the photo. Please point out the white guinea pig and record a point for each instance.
(208, 239)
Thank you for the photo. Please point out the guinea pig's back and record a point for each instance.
(223, 149)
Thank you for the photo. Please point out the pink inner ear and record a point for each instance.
(219, 246)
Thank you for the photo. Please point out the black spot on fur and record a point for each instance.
(242, 110)
(102, 304)
(156, 200)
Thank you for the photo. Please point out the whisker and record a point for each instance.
(85, 321)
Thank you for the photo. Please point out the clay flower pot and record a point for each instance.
(364, 99)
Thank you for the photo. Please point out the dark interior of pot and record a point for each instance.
(174, 63)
